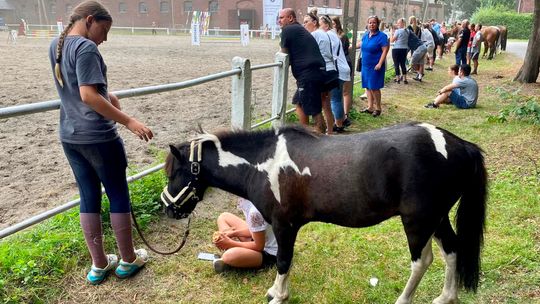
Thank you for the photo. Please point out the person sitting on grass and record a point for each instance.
(462, 92)
(247, 244)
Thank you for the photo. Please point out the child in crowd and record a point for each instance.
(462, 92)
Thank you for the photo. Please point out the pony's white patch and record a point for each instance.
(281, 160)
(437, 137)
(226, 158)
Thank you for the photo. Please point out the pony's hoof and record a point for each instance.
(269, 298)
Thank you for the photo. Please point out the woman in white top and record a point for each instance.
(247, 244)
(343, 69)
(311, 23)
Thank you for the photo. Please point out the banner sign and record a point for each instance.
(195, 34)
(244, 34)
(271, 10)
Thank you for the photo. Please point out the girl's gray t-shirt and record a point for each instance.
(402, 37)
(81, 64)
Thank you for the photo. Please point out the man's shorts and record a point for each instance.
(474, 55)
(308, 96)
(458, 100)
(418, 55)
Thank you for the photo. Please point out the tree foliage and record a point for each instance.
(518, 25)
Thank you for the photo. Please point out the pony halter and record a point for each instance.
(188, 194)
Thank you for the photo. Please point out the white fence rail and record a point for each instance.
(240, 118)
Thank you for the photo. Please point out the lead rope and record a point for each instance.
(182, 243)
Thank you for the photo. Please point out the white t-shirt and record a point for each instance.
(256, 223)
(427, 38)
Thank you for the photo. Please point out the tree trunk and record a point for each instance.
(531, 65)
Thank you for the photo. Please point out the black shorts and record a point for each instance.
(308, 96)
(268, 260)
(474, 55)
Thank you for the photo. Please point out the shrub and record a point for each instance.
(519, 25)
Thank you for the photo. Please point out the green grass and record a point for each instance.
(332, 264)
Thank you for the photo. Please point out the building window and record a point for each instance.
(326, 3)
(69, 9)
(164, 6)
(143, 9)
(122, 7)
(213, 6)
(338, 3)
(372, 11)
(52, 8)
(311, 3)
(383, 13)
(188, 6)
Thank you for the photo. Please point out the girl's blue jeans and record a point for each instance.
(336, 101)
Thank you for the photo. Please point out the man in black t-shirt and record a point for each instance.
(462, 42)
(307, 67)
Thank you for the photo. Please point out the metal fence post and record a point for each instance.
(279, 90)
(241, 94)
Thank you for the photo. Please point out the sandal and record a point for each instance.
(376, 113)
(97, 275)
(366, 110)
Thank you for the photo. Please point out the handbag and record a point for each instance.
(331, 78)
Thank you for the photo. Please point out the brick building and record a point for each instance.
(224, 13)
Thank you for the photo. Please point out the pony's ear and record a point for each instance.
(175, 152)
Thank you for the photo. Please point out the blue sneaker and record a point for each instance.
(125, 269)
(96, 275)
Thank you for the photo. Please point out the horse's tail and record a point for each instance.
(498, 39)
(504, 37)
(470, 219)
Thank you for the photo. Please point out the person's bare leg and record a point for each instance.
(228, 221)
(442, 98)
(318, 121)
(475, 64)
(377, 99)
(327, 111)
(242, 257)
(370, 101)
(302, 117)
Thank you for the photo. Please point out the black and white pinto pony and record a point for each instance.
(293, 176)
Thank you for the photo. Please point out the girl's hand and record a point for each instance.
(378, 67)
(224, 242)
(139, 129)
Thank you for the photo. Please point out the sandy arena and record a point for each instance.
(34, 174)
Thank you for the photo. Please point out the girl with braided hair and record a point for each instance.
(91, 143)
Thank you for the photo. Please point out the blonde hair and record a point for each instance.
(81, 11)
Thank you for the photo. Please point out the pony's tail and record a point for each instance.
(504, 37)
(470, 220)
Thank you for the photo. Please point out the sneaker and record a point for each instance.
(126, 269)
(96, 275)
(220, 266)
(363, 96)
(431, 105)
(429, 69)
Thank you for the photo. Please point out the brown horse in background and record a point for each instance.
(494, 36)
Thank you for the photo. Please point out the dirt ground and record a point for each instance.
(34, 174)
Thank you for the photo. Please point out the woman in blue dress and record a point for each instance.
(375, 47)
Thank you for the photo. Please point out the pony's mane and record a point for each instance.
(241, 136)
(249, 136)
